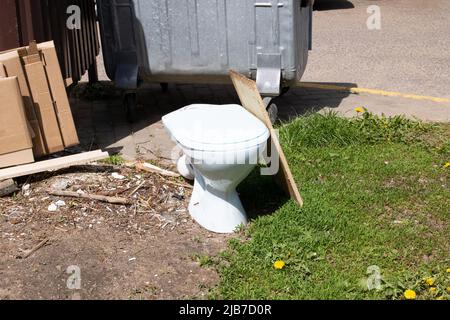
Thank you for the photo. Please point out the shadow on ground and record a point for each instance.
(101, 121)
(304, 100)
(323, 5)
(260, 195)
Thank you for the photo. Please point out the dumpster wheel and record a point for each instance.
(272, 109)
(130, 103)
(164, 87)
(284, 90)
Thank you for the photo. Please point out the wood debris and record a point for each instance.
(113, 200)
(93, 198)
(27, 253)
(144, 166)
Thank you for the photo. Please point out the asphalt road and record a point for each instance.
(411, 52)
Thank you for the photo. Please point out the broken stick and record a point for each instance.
(33, 250)
(183, 185)
(73, 194)
(136, 189)
(154, 169)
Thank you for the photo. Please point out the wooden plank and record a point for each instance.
(52, 164)
(251, 100)
(154, 169)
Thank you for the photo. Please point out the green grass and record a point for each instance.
(376, 194)
(115, 160)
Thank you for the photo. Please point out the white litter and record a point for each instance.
(55, 205)
(117, 176)
(60, 203)
(26, 189)
(61, 184)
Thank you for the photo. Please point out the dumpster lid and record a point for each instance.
(215, 127)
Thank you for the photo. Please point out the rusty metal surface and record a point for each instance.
(42, 20)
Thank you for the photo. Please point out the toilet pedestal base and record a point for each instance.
(216, 211)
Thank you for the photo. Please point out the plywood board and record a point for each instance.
(13, 67)
(15, 140)
(252, 101)
(59, 94)
(53, 164)
(44, 106)
(16, 158)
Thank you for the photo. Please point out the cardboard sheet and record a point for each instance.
(59, 94)
(44, 94)
(13, 67)
(44, 107)
(15, 141)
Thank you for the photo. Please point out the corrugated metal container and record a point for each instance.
(198, 41)
(42, 20)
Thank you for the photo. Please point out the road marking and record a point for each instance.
(372, 91)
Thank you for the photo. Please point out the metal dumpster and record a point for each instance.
(198, 41)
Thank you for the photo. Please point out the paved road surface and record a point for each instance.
(411, 52)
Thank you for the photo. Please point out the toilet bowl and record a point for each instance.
(222, 144)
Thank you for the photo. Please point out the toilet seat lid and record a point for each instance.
(215, 127)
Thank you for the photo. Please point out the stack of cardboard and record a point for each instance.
(15, 140)
(34, 109)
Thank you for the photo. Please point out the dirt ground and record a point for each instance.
(149, 249)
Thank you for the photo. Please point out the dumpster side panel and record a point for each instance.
(302, 25)
(197, 40)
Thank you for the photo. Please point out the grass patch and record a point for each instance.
(376, 198)
(203, 260)
(115, 160)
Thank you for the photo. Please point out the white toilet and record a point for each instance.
(222, 144)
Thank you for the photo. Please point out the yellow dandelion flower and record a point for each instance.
(448, 270)
(429, 281)
(410, 294)
(446, 165)
(359, 109)
(448, 289)
(279, 264)
(433, 289)
(440, 298)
